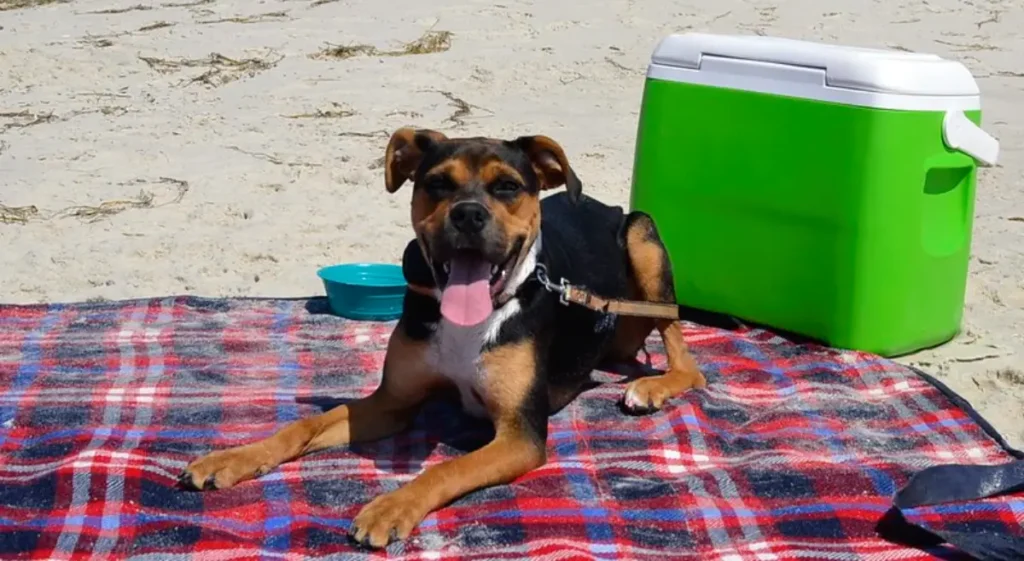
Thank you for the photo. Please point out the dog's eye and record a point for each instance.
(439, 186)
(505, 188)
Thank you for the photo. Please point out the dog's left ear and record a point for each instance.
(405, 152)
(550, 164)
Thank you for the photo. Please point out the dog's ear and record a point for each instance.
(550, 164)
(405, 152)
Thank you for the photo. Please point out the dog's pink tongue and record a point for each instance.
(467, 298)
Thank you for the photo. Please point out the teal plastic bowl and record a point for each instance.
(364, 291)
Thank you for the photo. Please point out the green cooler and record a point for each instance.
(818, 189)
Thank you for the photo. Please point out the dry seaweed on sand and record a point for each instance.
(1011, 375)
(961, 47)
(111, 110)
(336, 111)
(103, 41)
(359, 134)
(166, 65)
(187, 4)
(256, 18)
(221, 73)
(898, 47)
(220, 69)
(17, 214)
(154, 26)
(272, 159)
(109, 208)
(994, 17)
(346, 51)
(15, 114)
(462, 108)
(125, 10)
(215, 59)
(18, 4)
(145, 199)
(96, 41)
(430, 42)
(25, 118)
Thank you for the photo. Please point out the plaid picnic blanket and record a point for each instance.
(793, 451)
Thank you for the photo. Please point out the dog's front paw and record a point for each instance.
(649, 394)
(387, 518)
(225, 468)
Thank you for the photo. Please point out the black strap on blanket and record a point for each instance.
(952, 484)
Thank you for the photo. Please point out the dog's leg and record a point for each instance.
(561, 395)
(388, 410)
(651, 273)
(516, 401)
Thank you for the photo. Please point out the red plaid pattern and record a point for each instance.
(793, 451)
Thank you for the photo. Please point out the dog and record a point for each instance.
(481, 322)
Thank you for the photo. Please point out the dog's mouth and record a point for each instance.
(469, 264)
(470, 282)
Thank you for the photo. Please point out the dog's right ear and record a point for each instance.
(405, 152)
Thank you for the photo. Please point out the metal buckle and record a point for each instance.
(562, 288)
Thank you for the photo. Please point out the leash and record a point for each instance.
(570, 294)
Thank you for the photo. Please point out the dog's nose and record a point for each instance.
(469, 217)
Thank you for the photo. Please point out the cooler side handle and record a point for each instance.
(960, 133)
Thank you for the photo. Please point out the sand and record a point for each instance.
(208, 147)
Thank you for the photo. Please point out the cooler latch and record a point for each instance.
(960, 133)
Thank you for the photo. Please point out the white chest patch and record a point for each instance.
(455, 353)
(455, 350)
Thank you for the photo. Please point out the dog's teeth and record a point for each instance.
(494, 269)
(447, 267)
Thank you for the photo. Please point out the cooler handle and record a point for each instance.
(960, 133)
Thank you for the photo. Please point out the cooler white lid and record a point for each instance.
(851, 68)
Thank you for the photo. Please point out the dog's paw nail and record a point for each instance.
(210, 484)
(365, 542)
(634, 406)
(359, 536)
(185, 480)
(634, 403)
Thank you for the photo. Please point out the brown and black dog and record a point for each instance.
(478, 321)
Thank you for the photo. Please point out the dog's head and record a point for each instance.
(475, 208)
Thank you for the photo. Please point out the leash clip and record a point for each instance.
(569, 294)
(562, 288)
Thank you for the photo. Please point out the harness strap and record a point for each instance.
(420, 289)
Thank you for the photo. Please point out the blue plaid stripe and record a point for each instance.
(794, 451)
